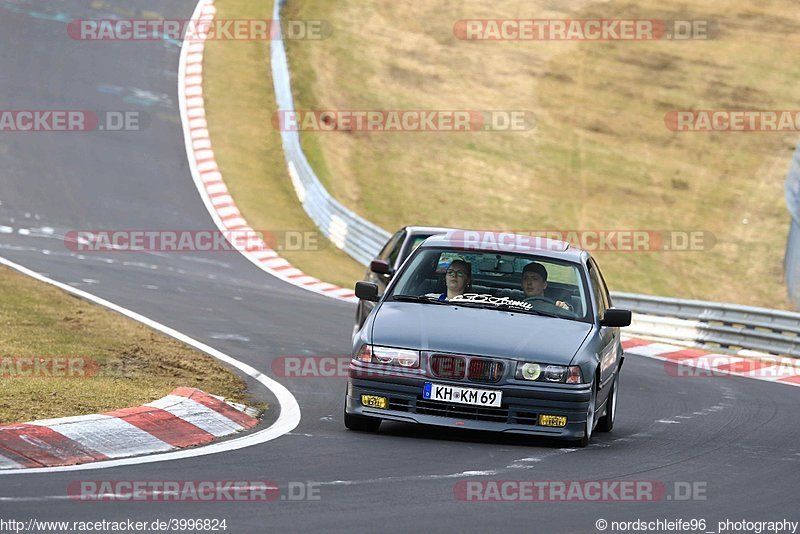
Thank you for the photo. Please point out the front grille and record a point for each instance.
(462, 411)
(524, 418)
(400, 405)
(451, 367)
(485, 370)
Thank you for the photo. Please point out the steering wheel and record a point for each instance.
(550, 303)
(543, 299)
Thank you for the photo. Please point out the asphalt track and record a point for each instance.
(737, 439)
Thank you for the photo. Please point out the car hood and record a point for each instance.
(482, 332)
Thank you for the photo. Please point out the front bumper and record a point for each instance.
(518, 414)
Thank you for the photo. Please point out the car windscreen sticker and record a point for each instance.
(489, 299)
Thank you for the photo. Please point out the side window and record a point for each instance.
(392, 247)
(603, 285)
(395, 252)
(598, 290)
(405, 247)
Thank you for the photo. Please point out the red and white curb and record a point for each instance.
(208, 178)
(184, 418)
(685, 362)
(288, 415)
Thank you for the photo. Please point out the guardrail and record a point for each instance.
(686, 321)
(356, 236)
(792, 258)
(713, 324)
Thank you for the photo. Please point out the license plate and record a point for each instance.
(373, 401)
(552, 420)
(476, 397)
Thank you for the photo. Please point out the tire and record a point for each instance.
(358, 322)
(606, 423)
(588, 426)
(359, 423)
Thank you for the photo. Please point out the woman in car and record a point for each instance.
(457, 278)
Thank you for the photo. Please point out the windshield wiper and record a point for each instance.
(417, 298)
(503, 306)
(532, 311)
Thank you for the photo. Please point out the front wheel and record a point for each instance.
(589, 425)
(360, 423)
(606, 423)
(359, 320)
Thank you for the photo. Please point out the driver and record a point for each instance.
(534, 282)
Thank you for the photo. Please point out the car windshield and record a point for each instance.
(526, 283)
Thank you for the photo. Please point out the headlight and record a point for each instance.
(551, 373)
(388, 356)
(555, 373)
(529, 371)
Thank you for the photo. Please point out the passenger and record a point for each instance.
(457, 278)
(534, 282)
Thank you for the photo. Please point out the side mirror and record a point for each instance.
(616, 317)
(367, 291)
(380, 267)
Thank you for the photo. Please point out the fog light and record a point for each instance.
(553, 420)
(374, 401)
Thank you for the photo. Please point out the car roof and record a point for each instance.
(485, 241)
(428, 230)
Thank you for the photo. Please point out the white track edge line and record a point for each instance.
(287, 421)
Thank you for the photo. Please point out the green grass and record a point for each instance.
(123, 362)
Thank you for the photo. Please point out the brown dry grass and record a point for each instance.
(240, 103)
(135, 365)
(600, 156)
